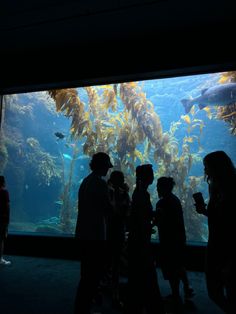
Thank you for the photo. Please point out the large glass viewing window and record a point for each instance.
(48, 137)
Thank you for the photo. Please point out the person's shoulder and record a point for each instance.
(134, 191)
(177, 206)
(103, 183)
(93, 177)
(175, 197)
(135, 195)
(160, 202)
(100, 183)
(124, 193)
(84, 180)
(160, 205)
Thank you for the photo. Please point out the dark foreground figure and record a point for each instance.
(143, 288)
(4, 218)
(93, 208)
(221, 212)
(117, 227)
(170, 222)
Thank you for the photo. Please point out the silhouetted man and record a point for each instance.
(93, 207)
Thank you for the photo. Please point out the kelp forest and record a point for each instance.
(45, 164)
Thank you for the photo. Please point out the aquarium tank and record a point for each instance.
(48, 137)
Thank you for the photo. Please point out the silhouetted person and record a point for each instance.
(93, 208)
(170, 222)
(221, 212)
(4, 218)
(117, 226)
(143, 288)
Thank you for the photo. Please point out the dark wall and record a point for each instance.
(52, 43)
(42, 246)
(69, 248)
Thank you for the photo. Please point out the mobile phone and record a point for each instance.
(198, 198)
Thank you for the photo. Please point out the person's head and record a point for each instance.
(117, 178)
(144, 175)
(165, 186)
(2, 181)
(218, 166)
(100, 163)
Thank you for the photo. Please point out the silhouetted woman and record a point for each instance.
(143, 286)
(221, 212)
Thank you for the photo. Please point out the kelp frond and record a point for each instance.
(68, 102)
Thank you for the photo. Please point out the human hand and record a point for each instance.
(200, 208)
(199, 203)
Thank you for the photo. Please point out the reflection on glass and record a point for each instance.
(48, 137)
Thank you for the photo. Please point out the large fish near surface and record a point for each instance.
(219, 95)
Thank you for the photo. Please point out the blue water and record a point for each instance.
(37, 199)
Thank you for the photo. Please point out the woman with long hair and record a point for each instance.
(220, 175)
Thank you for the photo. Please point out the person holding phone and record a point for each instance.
(220, 174)
(199, 201)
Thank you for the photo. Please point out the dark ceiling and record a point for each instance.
(51, 43)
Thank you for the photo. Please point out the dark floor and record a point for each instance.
(33, 285)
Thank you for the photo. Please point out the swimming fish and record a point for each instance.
(69, 145)
(67, 156)
(107, 124)
(59, 135)
(82, 157)
(219, 95)
(59, 202)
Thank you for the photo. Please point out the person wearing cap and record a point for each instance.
(93, 209)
